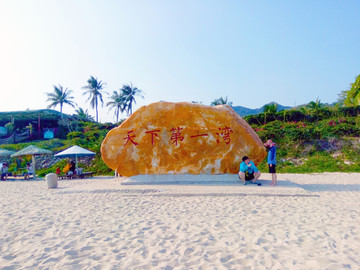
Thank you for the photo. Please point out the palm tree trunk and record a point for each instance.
(96, 108)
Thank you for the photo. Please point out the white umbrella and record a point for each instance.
(32, 151)
(75, 152)
(5, 152)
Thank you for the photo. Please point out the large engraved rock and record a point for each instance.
(181, 138)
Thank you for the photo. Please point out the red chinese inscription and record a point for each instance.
(176, 135)
(153, 133)
(224, 133)
(200, 135)
(129, 138)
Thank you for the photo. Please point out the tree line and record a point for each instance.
(121, 100)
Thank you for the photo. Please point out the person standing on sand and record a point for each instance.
(272, 160)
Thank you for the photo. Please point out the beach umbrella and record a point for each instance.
(75, 152)
(32, 151)
(5, 152)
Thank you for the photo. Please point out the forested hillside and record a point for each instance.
(312, 139)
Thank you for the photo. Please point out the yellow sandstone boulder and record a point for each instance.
(181, 138)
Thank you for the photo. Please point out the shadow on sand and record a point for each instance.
(330, 187)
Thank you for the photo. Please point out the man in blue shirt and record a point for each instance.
(249, 172)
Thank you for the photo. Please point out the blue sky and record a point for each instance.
(253, 52)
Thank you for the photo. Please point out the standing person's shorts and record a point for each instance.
(272, 169)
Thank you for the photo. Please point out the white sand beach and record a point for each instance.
(309, 221)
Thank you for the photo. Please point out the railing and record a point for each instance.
(14, 138)
(7, 140)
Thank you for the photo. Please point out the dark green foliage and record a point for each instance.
(221, 101)
(83, 115)
(31, 115)
(285, 116)
(100, 167)
(350, 111)
(305, 115)
(75, 134)
(352, 96)
(309, 142)
(61, 164)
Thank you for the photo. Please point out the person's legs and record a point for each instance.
(272, 170)
(256, 176)
(242, 176)
(274, 178)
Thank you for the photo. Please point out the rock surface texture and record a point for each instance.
(181, 138)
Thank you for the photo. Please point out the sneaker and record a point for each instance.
(256, 183)
(244, 183)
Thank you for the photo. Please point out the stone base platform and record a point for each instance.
(183, 179)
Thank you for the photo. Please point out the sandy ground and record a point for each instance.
(306, 222)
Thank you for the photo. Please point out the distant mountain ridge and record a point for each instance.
(243, 111)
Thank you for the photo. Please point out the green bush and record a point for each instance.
(44, 171)
(100, 167)
(75, 134)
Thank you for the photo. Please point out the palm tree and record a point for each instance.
(129, 92)
(60, 97)
(271, 108)
(84, 115)
(93, 89)
(221, 101)
(118, 102)
(315, 107)
(305, 110)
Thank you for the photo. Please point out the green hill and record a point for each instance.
(318, 140)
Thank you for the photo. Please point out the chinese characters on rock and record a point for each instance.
(177, 136)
